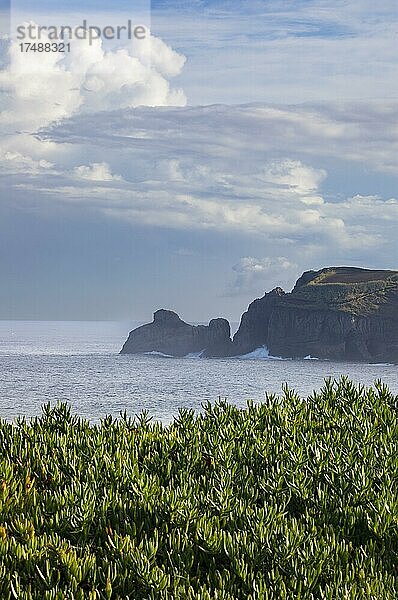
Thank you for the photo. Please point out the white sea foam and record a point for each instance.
(309, 357)
(154, 353)
(260, 353)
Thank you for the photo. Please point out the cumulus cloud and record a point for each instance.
(160, 56)
(38, 89)
(256, 275)
(295, 176)
(14, 162)
(96, 172)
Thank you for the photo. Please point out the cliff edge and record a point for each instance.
(338, 313)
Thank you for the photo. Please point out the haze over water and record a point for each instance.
(78, 363)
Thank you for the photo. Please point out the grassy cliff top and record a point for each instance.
(345, 275)
(348, 289)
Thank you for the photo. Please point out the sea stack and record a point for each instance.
(170, 335)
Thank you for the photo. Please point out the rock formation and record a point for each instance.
(341, 313)
(255, 323)
(337, 313)
(170, 335)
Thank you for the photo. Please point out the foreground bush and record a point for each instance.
(290, 499)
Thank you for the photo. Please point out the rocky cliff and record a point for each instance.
(170, 335)
(338, 313)
(254, 326)
(341, 313)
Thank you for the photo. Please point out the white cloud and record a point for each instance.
(256, 275)
(159, 56)
(257, 172)
(12, 162)
(360, 133)
(96, 172)
(232, 203)
(170, 169)
(293, 175)
(41, 88)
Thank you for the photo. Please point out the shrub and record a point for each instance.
(289, 499)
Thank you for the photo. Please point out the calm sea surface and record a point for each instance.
(78, 362)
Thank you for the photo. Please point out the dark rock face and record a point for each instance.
(170, 335)
(337, 313)
(255, 322)
(341, 313)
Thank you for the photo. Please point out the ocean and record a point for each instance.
(79, 363)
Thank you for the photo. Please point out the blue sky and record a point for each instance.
(259, 140)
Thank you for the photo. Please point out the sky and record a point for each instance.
(239, 145)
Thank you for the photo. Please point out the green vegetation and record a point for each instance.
(362, 298)
(291, 499)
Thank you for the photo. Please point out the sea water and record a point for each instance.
(79, 363)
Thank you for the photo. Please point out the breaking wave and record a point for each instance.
(260, 353)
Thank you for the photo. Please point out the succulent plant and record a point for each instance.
(289, 499)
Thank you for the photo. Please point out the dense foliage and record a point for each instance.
(290, 499)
